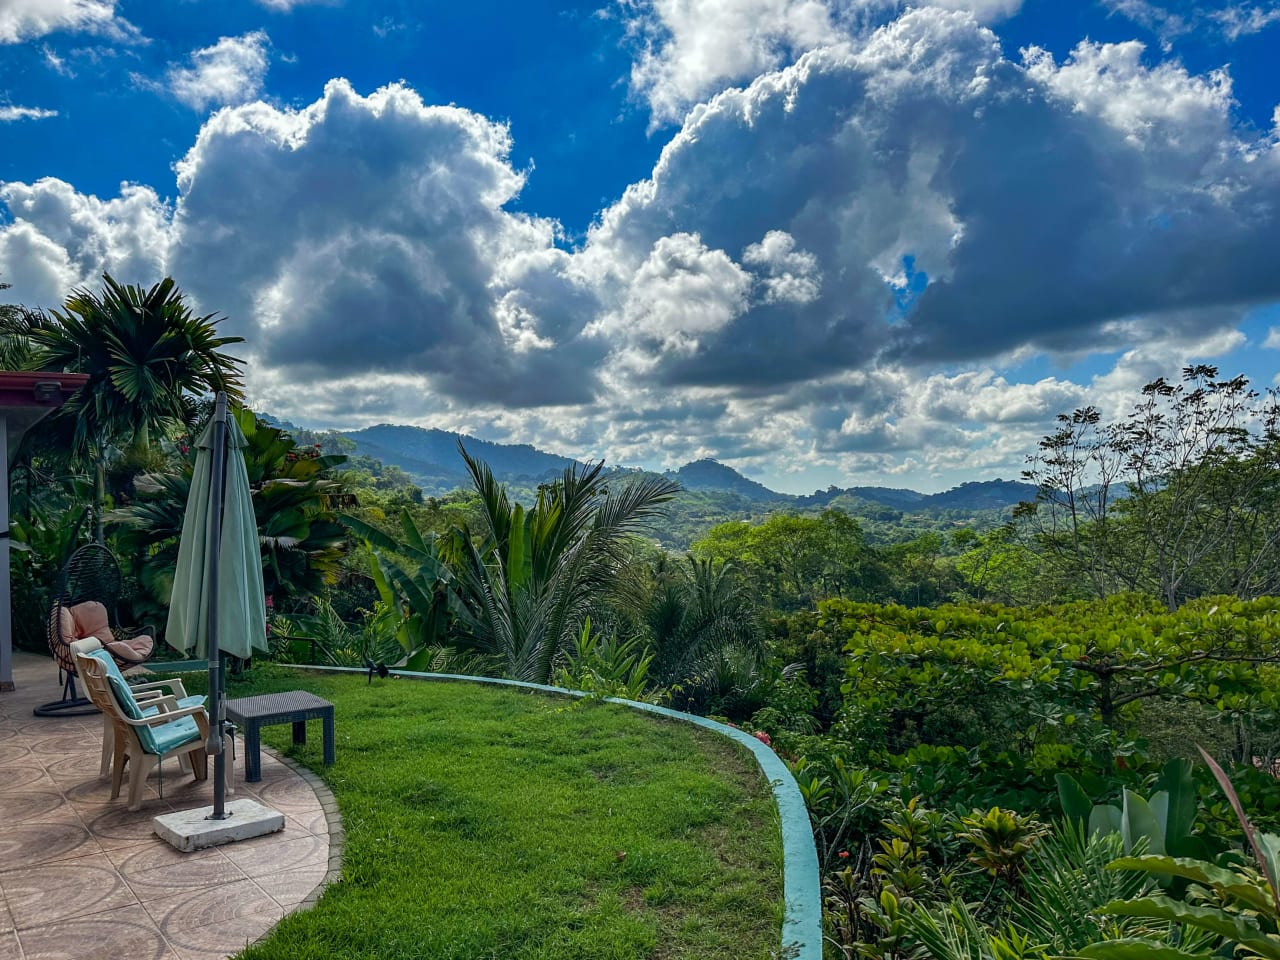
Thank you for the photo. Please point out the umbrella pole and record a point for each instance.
(217, 700)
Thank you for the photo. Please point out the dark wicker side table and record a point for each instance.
(292, 706)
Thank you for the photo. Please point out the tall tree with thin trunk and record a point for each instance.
(1179, 499)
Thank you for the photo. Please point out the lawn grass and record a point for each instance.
(490, 823)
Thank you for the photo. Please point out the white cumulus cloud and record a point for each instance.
(689, 50)
(747, 300)
(22, 20)
(229, 72)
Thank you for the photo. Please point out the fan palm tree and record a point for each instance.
(146, 355)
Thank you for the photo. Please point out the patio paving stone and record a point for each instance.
(110, 936)
(82, 878)
(85, 885)
(214, 922)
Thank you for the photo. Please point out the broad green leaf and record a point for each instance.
(1076, 804)
(1137, 820)
(1159, 803)
(1212, 919)
(1104, 819)
(1177, 782)
(379, 578)
(1226, 882)
(1132, 948)
(1269, 845)
(421, 660)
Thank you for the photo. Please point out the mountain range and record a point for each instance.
(431, 458)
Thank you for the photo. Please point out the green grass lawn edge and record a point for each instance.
(802, 916)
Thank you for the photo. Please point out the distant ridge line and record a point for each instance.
(430, 457)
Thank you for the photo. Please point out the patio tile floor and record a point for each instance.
(81, 877)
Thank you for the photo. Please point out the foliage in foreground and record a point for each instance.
(295, 500)
(519, 588)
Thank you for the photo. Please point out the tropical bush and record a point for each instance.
(1047, 687)
(295, 501)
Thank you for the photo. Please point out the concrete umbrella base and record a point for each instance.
(190, 830)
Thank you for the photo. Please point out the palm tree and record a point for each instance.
(146, 355)
(696, 615)
(16, 350)
(521, 587)
(534, 576)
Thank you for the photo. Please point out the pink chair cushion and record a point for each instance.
(89, 619)
(135, 649)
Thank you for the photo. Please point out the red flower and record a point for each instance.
(763, 738)
(843, 854)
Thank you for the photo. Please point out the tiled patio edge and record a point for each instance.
(802, 890)
(333, 822)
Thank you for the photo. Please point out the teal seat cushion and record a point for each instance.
(175, 733)
(119, 685)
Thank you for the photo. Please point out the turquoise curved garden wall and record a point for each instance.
(802, 915)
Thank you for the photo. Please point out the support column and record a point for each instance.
(6, 614)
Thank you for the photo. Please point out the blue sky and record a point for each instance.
(825, 241)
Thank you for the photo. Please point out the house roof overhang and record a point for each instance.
(26, 398)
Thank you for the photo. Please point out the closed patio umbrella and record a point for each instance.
(218, 603)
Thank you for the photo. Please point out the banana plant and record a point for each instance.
(1166, 818)
(1236, 905)
(295, 496)
(412, 576)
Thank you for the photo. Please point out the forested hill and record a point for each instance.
(400, 457)
(430, 456)
(714, 475)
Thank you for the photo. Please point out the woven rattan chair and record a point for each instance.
(84, 604)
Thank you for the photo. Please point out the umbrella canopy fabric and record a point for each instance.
(241, 601)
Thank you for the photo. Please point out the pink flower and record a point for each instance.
(763, 738)
(843, 854)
